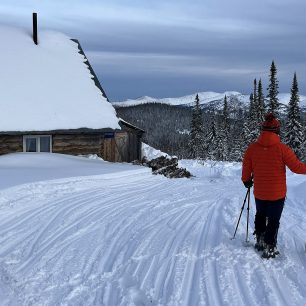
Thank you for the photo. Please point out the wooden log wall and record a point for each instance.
(78, 144)
(109, 148)
(124, 147)
(10, 144)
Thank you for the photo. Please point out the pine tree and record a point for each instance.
(260, 102)
(220, 146)
(196, 142)
(255, 99)
(237, 151)
(246, 137)
(225, 128)
(273, 105)
(294, 131)
(252, 121)
(211, 139)
(236, 141)
(225, 115)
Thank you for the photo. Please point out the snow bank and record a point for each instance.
(22, 168)
(211, 169)
(48, 86)
(91, 156)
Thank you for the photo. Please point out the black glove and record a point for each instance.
(248, 184)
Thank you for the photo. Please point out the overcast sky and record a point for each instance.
(169, 48)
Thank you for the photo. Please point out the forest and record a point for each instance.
(219, 133)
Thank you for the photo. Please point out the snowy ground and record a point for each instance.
(109, 234)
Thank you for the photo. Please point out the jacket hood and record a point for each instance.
(268, 139)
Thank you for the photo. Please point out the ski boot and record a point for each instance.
(270, 251)
(260, 244)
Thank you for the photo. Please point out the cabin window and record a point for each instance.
(37, 143)
(45, 143)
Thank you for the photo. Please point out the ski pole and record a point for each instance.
(242, 208)
(248, 215)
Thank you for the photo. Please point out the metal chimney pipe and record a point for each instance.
(35, 36)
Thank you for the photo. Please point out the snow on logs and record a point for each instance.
(167, 167)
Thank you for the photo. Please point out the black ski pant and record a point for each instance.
(268, 214)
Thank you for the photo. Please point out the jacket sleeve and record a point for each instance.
(247, 168)
(292, 162)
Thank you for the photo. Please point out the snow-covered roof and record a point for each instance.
(48, 86)
(131, 125)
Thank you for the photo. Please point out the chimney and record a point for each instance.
(35, 38)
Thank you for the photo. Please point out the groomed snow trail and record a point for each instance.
(138, 239)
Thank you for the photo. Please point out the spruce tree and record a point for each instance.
(255, 99)
(252, 121)
(211, 139)
(235, 140)
(294, 131)
(273, 103)
(246, 137)
(260, 103)
(220, 146)
(197, 134)
(236, 151)
(222, 137)
(225, 114)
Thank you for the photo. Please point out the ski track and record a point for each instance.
(145, 240)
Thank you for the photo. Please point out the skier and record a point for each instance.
(265, 161)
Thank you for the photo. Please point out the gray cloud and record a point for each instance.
(169, 48)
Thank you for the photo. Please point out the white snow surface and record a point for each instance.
(48, 86)
(126, 237)
(205, 97)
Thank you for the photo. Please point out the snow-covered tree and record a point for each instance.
(273, 103)
(196, 142)
(222, 138)
(294, 136)
(236, 142)
(255, 100)
(225, 115)
(225, 128)
(246, 137)
(252, 120)
(210, 140)
(220, 146)
(260, 103)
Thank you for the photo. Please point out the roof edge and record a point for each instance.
(95, 78)
(68, 131)
(129, 125)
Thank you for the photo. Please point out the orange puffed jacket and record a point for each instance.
(265, 160)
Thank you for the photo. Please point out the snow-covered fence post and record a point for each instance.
(35, 36)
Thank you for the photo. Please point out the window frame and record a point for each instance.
(25, 137)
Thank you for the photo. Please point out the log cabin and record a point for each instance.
(52, 101)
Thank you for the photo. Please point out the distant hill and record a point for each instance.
(207, 100)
